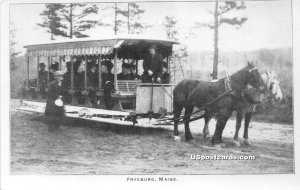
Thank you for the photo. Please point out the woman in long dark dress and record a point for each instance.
(55, 106)
(107, 84)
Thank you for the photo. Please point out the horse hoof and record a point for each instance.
(236, 143)
(189, 138)
(220, 145)
(247, 142)
(177, 138)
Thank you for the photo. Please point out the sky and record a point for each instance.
(269, 25)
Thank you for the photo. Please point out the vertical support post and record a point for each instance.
(168, 62)
(48, 72)
(37, 75)
(59, 66)
(137, 66)
(27, 72)
(115, 70)
(174, 72)
(100, 73)
(87, 101)
(85, 72)
(27, 85)
(72, 72)
(74, 100)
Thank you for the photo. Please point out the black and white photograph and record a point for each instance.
(149, 91)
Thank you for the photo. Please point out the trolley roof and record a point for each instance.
(127, 47)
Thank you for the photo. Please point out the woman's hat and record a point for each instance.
(153, 47)
(126, 65)
(58, 73)
(108, 64)
(42, 64)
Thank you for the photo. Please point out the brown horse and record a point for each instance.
(194, 93)
(246, 107)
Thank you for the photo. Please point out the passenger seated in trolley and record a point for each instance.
(92, 74)
(66, 83)
(133, 74)
(124, 75)
(152, 66)
(43, 78)
(165, 78)
(53, 68)
(92, 81)
(107, 83)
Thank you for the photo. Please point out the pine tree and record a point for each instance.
(181, 53)
(69, 20)
(74, 15)
(170, 25)
(129, 19)
(52, 21)
(134, 24)
(12, 48)
(221, 17)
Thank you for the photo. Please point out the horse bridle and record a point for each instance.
(260, 79)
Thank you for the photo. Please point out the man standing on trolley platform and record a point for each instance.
(152, 66)
(107, 83)
(165, 77)
(55, 106)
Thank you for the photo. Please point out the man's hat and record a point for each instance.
(91, 64)
(69, 64)
(54, 66)
(153, 46)
(42, 64)
(58, 73)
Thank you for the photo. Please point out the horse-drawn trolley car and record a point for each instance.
(132, 100)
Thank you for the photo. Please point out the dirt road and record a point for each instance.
(82, 147)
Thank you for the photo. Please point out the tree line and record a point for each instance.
(73, 20)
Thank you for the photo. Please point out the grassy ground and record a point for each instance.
(81, 147)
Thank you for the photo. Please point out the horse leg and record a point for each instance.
(239, 118)
(177, 112)
(187, 115)
(247, 121)
(207, 119)
(223, 117)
